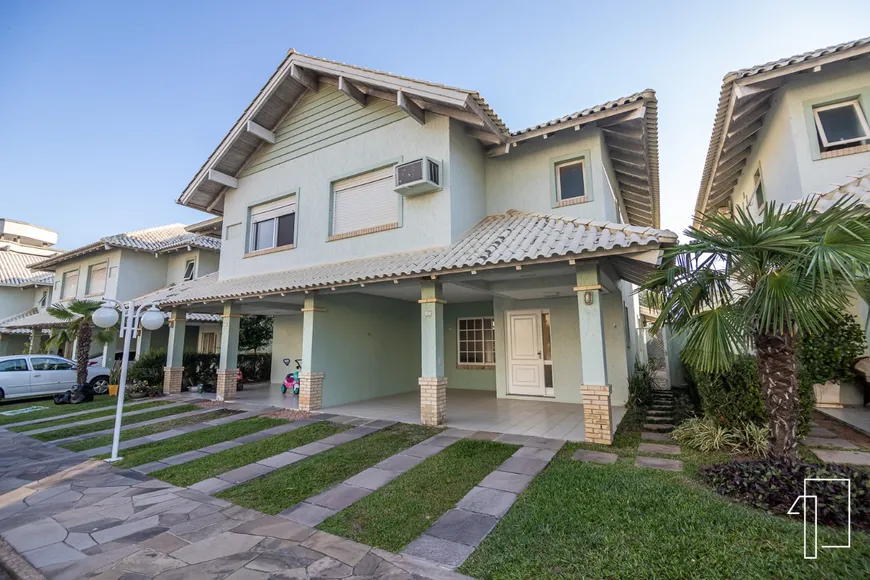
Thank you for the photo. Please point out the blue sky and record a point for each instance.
(107, 109)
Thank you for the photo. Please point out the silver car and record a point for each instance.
(33, 375)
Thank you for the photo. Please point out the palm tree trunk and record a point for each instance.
(777, 372)
(83, 352)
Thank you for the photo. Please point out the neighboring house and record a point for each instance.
(789, 130)
(22, 291)
(403, 238)
(126, 266)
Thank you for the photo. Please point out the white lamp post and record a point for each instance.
(105, 317)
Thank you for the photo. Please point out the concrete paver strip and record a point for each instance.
(849, 457)
(657, 448)
(93, 420)
(658, 463)
(133, 425)
(73, 414)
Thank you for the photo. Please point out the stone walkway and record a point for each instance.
(314, 510)
(455, 535)
(87, 411)
(262, 467)
(132, 426)
(83, 422)
(832, 449)
(660, 418)
(72, 517)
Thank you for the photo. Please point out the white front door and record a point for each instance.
(525, 353)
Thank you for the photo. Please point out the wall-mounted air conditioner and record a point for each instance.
(418, 177)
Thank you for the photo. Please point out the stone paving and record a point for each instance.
(830, 448)
(93, 420)
(87, 411)
(73, 517)
(455, 535)
(661, 416)
(132, 426)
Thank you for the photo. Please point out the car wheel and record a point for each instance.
(100, 385)
(2, 394)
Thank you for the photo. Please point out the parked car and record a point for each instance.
(32, 375)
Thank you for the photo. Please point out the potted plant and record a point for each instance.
(114, 379)
(138, 389)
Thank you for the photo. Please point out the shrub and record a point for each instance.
(640, 386)
(773, 485)
(256, 368)
(148, 367)
(200, 368)
(732, 397)
(829, 356)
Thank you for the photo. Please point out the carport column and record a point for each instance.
(310, 382)
(597, 414)
(35, 341)
(174, 369)
(433, 383)
(228, 368)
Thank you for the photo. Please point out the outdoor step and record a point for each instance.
(658, 463)
(648, 436)
(454, 536)
(658, 426)
(657, 412)
(658, 448)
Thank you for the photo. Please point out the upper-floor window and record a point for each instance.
(43, 300)
(364, 204)
(841, 124)
(69, 284)
(96, 279)
(273, 224)
(758, 192)
(189, 270)
(570, 181)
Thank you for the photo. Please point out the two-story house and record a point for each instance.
(789, 130)
(407, 243)
(23, 292)
(126, 266)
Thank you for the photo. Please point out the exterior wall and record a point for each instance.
(482, 379)
(615, 346)
(368, 347)
(286, 343)
(523, 179)
(140, 273)
(113, 273)
(206, 263)
(325, 138)
(13, 343)
(191, 338)
(467, 182)
(16, 300)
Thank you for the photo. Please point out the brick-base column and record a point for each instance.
(226, 384)
(172, 380)
(310, 391)
(597, 414)
(433, 400)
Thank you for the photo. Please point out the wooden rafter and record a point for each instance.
(352, 91)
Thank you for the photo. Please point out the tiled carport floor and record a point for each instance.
(483, 411)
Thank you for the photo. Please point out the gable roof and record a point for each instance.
(15, 269)
(744, 99)
(514, 237)
(630, 124)
(157, 240)
(857, 189)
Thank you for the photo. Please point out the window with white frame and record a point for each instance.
(273, 224)
(570, 180)
(841, 124)
(96, 279)
(189, 270)
(475, 341)
(364, 202)
(69, 284)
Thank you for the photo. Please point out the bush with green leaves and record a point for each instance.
(707, 435)
(773, 485)
(731, 397)
(200, 368)
(256, 368)
(640, 386)
(148, 367)
(829, 356)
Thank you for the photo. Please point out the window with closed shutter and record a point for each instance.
(365, 201)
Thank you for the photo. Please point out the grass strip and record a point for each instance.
(289, 485)
(109, 423)
(196, 440)
(205, 467)
(50, 409)
(146, 430)
(399, 512)
(102, 413)
(583, 520)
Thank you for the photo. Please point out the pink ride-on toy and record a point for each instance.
(291, 381)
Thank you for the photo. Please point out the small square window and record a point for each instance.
(570, 183)
(273, 224)
(841, 124)
(189, 270)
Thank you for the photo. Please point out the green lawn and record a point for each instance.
(196, 440)
(99, 413)
(50, 409)
(109, 423)
(581, 520)
(101, 440)
(205, 467)
(289, 485)
(396, 514)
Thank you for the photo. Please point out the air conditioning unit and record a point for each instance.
(418, 177)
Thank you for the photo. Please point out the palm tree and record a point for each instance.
(741, 284)
(78, 315)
